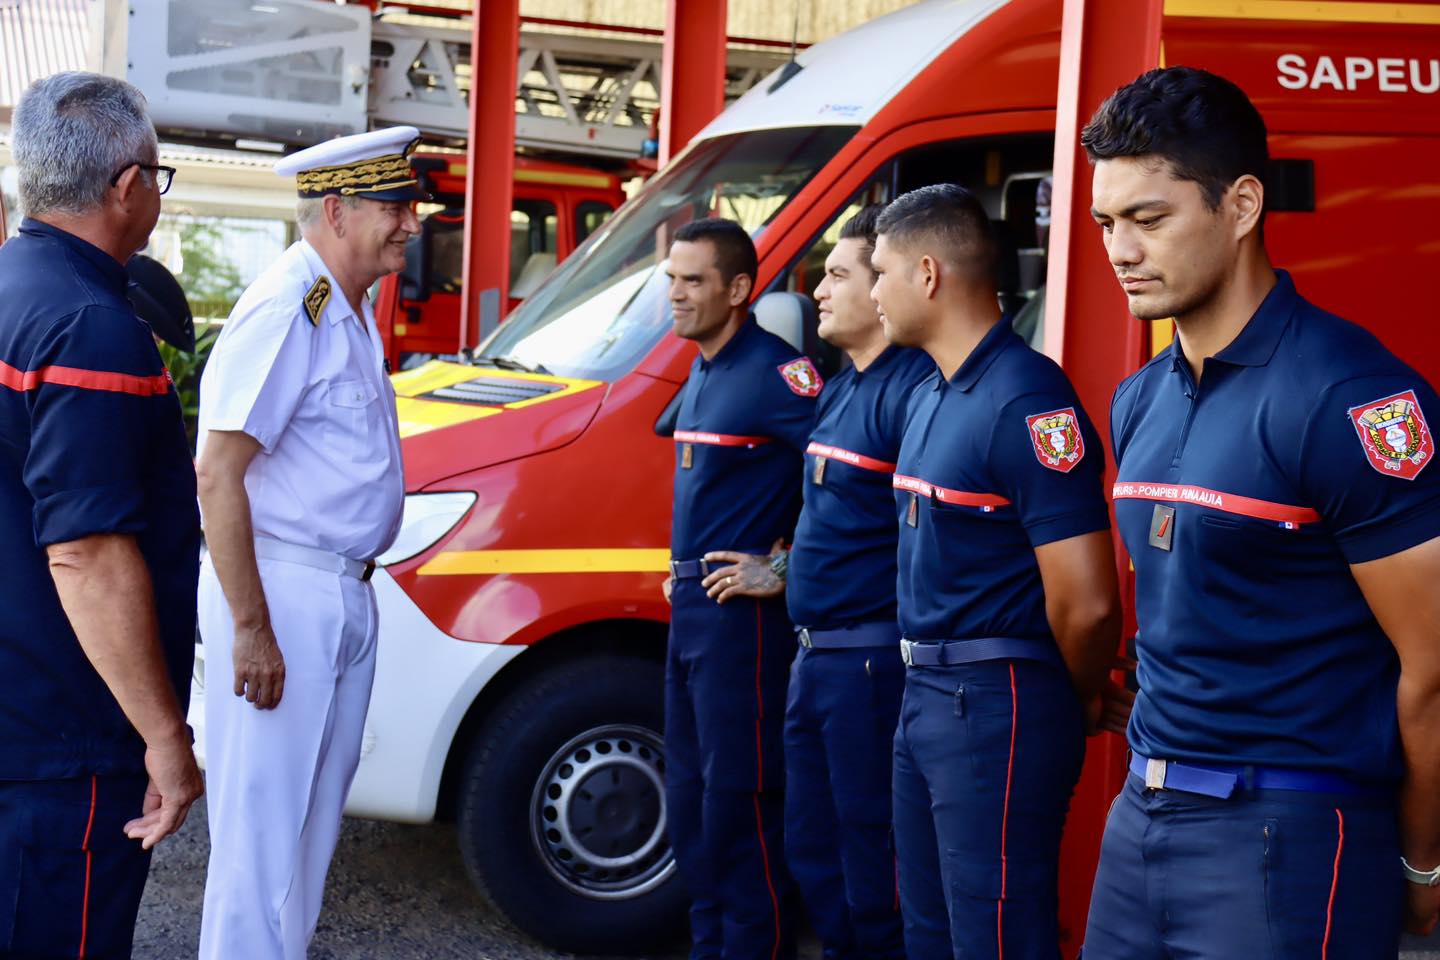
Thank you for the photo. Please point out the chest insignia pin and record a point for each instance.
(1162, 526)
(818, 475)
(687, 456)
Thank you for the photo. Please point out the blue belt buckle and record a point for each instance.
(804, 636)
(1155, 774)
(905, 652)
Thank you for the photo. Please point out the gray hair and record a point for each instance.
(309, 210)
(73, 132)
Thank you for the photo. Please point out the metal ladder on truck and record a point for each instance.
(295, 72)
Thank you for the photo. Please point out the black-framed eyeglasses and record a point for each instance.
(163, 175)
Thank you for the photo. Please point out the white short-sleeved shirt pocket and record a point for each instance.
(352, 428)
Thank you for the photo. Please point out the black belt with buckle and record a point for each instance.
(877, 633)
(949, 653)
(691, 569)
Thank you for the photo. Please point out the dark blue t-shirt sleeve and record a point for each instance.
(1366, 464)
(100, 387)
(1046, 459)
(788, 415)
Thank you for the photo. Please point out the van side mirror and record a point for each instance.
(415, 278)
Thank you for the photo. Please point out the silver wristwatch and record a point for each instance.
(780, 564)
(1425, 878)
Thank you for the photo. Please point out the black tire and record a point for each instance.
(561, 809)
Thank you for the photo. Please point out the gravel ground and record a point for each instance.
(395, 892)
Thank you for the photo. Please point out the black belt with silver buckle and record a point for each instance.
(877, 633)
(691, 569)
(949, 653)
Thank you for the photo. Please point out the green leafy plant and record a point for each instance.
(212, 285)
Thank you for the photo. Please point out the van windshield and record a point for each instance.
(605, 307)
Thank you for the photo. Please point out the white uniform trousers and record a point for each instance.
(276, 780)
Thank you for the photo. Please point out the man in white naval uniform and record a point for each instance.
(300, 488)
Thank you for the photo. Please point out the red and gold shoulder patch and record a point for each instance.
(1394, 435)
(1056, 439)
(802, 377)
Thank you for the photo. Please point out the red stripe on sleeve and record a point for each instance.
(24, 381)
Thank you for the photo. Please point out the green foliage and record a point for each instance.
(212, 285)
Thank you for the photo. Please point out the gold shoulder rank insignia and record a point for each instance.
(316, 299)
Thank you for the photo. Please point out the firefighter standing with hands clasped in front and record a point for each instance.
(745, 414)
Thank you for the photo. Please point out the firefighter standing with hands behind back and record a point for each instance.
(1007, 595)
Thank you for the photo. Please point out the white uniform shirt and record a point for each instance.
(317, 399)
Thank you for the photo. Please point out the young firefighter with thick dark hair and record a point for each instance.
(846, 685)
(745, 415)
(1007, 595)
(1276, 497)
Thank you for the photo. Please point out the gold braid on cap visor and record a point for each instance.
(363, 176)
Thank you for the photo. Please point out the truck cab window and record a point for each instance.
(532, 244)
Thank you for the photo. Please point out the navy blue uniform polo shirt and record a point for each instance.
(996, 461)
(1303, 449)
(745, 416)
(842, 567)
(91, 442)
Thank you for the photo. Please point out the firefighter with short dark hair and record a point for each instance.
(1007, 595)
(1276, 495)
(745, 415)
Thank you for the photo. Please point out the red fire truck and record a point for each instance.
(522, 628)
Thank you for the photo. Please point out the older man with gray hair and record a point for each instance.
(99, 536)
(301, 488)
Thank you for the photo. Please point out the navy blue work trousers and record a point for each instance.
(986, 758)
(70, 880)
(1264, 875)
(725, 678)
(839, 740)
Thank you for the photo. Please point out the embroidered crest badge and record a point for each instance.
(802, 377)
(316, 299)
(1056, 439)
(1394, 434)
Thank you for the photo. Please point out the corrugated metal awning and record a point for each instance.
(38, 38)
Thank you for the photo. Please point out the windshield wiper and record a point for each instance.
(510, 363)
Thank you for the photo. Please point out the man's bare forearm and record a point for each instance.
(1082, 605)
(1418, 708)
(231, 541)
(105, 589)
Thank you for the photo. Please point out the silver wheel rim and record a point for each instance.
(598, 814)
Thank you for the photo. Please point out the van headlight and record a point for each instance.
(427, 518)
